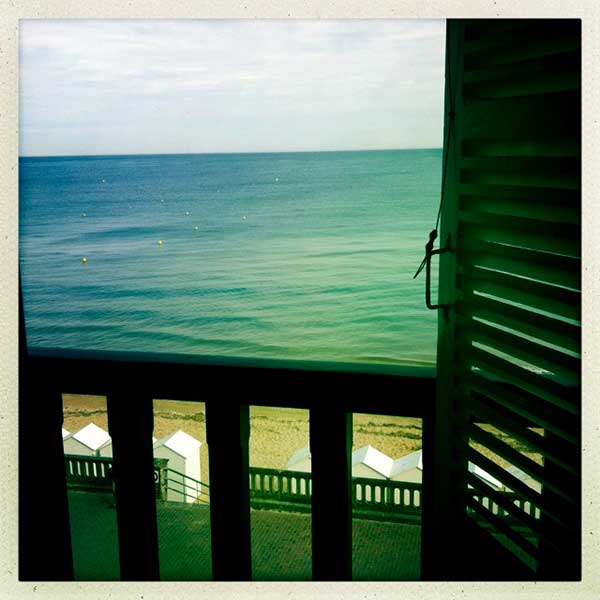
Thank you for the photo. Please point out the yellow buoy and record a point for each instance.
(160, 242)
(83, 215)
(244, 217)
(84, 260)
(196, 228)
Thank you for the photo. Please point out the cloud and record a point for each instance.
(105, 84)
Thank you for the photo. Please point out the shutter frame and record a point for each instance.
(509, 345)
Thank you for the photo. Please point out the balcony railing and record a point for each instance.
(284, 490)
(331, 392)
(95, 473)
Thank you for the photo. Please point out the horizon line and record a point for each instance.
(221, 153)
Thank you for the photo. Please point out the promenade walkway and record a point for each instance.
(281, 543)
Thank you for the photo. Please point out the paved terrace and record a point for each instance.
(281, 543)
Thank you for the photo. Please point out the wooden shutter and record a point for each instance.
(504, 472)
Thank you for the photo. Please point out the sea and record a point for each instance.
(297, 256)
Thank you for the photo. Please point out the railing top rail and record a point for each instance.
(106, 459)
(387, 483)
(359, 480)
(83, 458)
(278, 472)
(201, 360)
(183, 377)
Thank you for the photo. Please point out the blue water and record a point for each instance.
(297, 256)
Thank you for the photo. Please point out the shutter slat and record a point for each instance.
(535, 384)
(511, 482)
(549, 531)
(541, 356)
(543, 266)
(483, 412)
(500, 525)
(537, 230)
(528, 407)
(492, 50)
(524, 463)
(539, 116)
(524, 233)
(542, 327)
(531, 148)
(561, 180)
(502, 501)
(541, 296)
(542, 204)
(522, 84)
(563, 62)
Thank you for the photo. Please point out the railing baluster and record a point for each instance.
(331, 446)
(227, 431)
(45, 551)
(130, 424)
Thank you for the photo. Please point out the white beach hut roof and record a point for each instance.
(373, 458)
(525, 478)
(490, 479)
(298, 456)
(179, 442)
(414, 460)
(92, 436)
(65, 433)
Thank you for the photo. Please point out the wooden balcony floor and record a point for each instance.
(281, 543)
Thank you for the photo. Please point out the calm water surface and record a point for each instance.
(294, 256)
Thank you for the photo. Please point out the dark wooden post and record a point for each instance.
(130, 424)
(45, 552)
(331, 449)
(227, 434)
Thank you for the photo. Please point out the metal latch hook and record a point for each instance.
(429, 252)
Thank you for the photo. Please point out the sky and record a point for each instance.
(152, 87)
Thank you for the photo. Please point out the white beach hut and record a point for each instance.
(373, 464)
(366, 462)
(370, 462)
(300, 461)
(87, 441)
(183, 452)
(408, 468)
